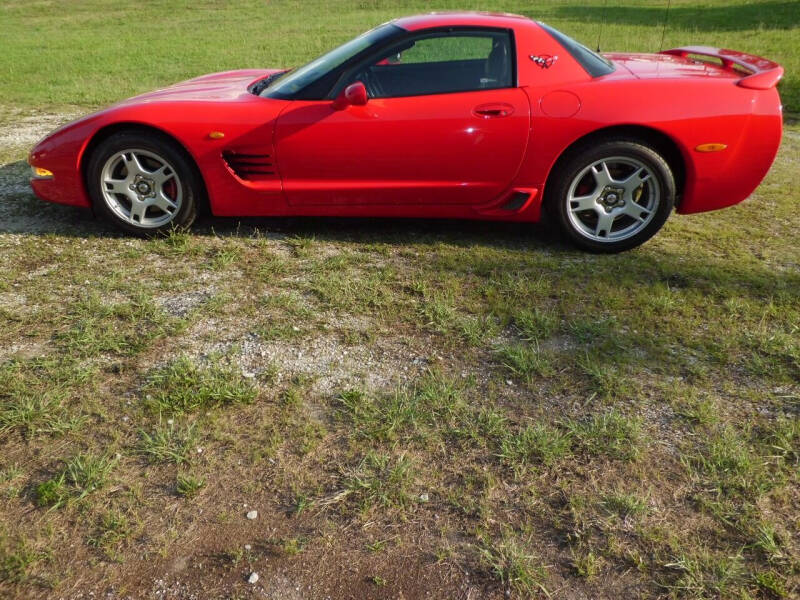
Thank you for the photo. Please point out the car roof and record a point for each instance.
(462, 19)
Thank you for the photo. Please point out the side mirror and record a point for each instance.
(354, 94)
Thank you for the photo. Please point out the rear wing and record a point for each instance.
(757, 73)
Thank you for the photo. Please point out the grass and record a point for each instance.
(188, 485)
(535, 444)
(511, 561)
(168, 443)
(16, 559)
(403, 403)
(611, 433)
(82, 475)
(380, 480)
(185, 386)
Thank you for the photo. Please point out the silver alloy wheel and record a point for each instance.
(613, 199)
(141, 188)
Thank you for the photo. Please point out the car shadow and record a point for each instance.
(22, 213)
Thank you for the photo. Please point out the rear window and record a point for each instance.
(594, 64)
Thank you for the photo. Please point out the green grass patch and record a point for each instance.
(513, 563)
(188, 485)
(82, 475)
(612, 434)
(185, 386)
(380, 481)
(534, 445)
(16, 558)
(169, 443)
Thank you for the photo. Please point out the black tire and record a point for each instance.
(148, 148)
(633, 221)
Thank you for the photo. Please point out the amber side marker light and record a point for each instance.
(711, 147)
(41, 173)
(216, 135)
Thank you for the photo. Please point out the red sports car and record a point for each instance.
(457, 115)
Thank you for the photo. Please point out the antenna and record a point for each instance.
(664, 30)
(602, 24)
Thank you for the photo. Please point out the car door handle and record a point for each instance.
(493, 111)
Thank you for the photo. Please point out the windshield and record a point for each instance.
(295, 80)
(594, 64)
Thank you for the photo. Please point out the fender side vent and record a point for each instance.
(249, 166)
(516, 201)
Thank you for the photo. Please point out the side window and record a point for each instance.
(440, 63)
(447, 49)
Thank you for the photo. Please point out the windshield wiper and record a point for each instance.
(262, 84)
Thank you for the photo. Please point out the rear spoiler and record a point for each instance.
(758, 73)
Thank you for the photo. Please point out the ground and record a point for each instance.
(414, 409)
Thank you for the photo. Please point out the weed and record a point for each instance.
(526, 361)
(184, 386)
(53, 492)
(272, 266)
(535, 444)
(434, 404)
(115, 328)
(113, 530)
(301, 503)
(16, 559)
(773, 583)
(587, 565)
(783, 440)
(188, 485)
(730, 464)
(769, 542)
(301, 245)
(176, 243)
(82, 475)
(32, 414)
(377, 546)
(510, 561)
(290, 546)
(609, 381)
(705, 574)
(10, 473)
(168, 443)
(703, 412)
(624, 504)
(222, 258)
(380, 480)
(536, 324)
(611, 433)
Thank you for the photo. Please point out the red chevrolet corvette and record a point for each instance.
(459, 115)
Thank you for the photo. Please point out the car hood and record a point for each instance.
(225, 86)
(666, 66)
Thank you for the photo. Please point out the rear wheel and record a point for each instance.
(143, 183)
(613, 196)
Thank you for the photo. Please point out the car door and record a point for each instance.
(444, 124)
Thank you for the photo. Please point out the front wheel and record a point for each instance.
(612, 196)
(143, 183)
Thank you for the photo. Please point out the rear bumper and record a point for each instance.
(720, 179)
